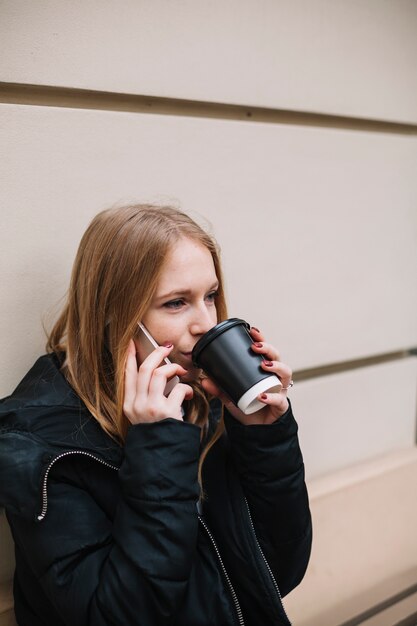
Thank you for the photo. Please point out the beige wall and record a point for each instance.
(330, 56)
(318, 224)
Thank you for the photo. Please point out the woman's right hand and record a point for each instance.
(144, 399)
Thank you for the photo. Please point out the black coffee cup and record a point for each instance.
(225, 354)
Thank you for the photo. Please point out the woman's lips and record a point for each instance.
(187, 358)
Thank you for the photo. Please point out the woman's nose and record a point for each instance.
(203, 321)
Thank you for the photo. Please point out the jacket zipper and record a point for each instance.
(42, 514)
(267, 564)
(226, 575)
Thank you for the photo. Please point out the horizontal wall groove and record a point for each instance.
(383, 606)
(353, 364)
(50, 96)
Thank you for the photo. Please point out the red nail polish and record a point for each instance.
(264, 396)
(257, 329)
(167, 344)
(258, 344)
(268, 363)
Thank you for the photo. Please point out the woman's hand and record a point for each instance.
(144, 399)
(276, 404)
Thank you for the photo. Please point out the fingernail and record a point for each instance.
(268, 363)
(258, 344)
(167, 344)
(264, 396)
(257, 329)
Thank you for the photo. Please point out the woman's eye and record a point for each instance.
(180, 302)
(212, 296)
(174, 304)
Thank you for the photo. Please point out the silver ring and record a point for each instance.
(289, 386)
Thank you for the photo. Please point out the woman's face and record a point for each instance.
(184, 305)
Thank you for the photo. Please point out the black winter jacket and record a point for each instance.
(107, 535)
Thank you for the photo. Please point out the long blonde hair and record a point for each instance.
(113, 280)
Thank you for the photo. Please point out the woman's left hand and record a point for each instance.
(276, 404)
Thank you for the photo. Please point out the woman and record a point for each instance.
(128, 506)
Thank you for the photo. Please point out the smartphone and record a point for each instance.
(147, 344)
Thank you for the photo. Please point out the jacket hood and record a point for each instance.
(40, 420)
(45, 406)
